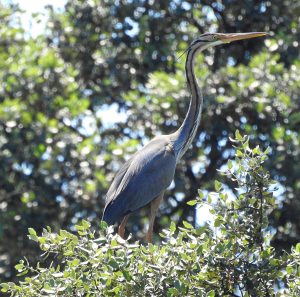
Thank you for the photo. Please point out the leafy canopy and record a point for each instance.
(230, 257)
(59, 150)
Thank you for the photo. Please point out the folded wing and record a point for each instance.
(141, 179)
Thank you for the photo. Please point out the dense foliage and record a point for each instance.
(59, 150)
(231, 257)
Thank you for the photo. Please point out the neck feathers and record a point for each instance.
(186, 133)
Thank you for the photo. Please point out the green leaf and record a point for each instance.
(5, 287)
(246, 145)
(218, 185)
(113, 243)
(172, 292)
(19, 267)
(256, 150)
(173, 227)
(289, 269)
(268, 149)
(192, 202)
(239, 154)
(238, 136)
(201, 194)
(75, 262)
(187, 225)
(127, 275)
(32, 232)
(210, 197)
(103, 225)
(217, 223)
(86, 224)
(211, 294)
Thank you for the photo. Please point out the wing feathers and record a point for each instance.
(141, 179)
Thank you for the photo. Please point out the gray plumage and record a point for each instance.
(144, 178)
(152, 169)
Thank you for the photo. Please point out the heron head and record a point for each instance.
(213, 39)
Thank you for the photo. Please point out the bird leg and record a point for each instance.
(153, 210)
(121, 229)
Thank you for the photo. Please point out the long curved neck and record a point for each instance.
(184, 136)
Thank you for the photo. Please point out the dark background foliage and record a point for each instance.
(59, 152)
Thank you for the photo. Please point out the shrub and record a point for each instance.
(231, 256)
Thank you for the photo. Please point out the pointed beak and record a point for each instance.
(226, 38)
